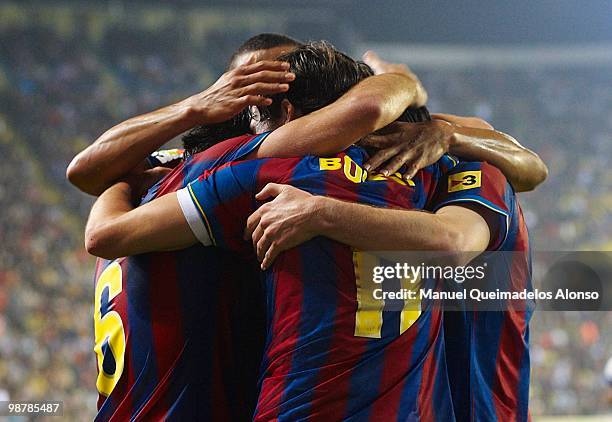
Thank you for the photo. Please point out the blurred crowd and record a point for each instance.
(45, 289)
(66, 75)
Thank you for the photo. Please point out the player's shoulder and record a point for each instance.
(241, 168)
(450, 164)
(231, 149)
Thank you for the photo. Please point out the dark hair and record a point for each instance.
(414, 115)
(263, 42)
(364, 69)
(322, 75)
(203, 137)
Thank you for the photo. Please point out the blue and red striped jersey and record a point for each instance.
(179, 335)
(488, 350)
(333, 352)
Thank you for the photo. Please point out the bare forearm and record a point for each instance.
(393, 95)
(475, 122)
(112, 204)
(521, 166)
(123, 148)
(116, 228)
(370, 105)
(368, 228)
(380, 66)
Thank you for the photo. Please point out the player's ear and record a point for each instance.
(288, 111)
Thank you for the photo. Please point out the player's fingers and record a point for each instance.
(257, 234)
(266, 76)
(273, 65)
(424, 156)
(269, 191)
(251, 58)
(152, 176)
(379, 158)
(377, 141)
(252, 223)
(263, 244)
(396, 162)
(262, 88)
(256, 100)
(370, 57)
(157, 173)
(413, 164)
(412, 168)
(270, 256)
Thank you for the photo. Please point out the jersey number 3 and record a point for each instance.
(109, 333)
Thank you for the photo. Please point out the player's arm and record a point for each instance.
(295, 216)
(124, 148)
(467, 121)
(470, 201)
(417, 145)
(523, 168)
(477, 140)
(368, 106)
(471, 138)
(115, 228)
(211, 210)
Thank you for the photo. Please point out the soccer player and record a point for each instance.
(166, 346)
(127, 144)
(124, 149)
(321, 359)
(488, 352)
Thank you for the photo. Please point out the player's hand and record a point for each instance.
(141, 182)
(379, 66)
(413, 145)
(246, 85)
(282, 223)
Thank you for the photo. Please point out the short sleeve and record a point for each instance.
(247, 147)
(217, 204)
(234, 149)
(476, 183)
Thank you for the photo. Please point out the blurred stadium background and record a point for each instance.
(541, 71)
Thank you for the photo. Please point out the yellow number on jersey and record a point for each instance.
(368, 318)
(108, 328)
(369, 315)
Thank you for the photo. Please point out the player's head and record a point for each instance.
(309, 79)
(322, 75)
(265, 46)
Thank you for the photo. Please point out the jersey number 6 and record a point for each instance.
(109, 333)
